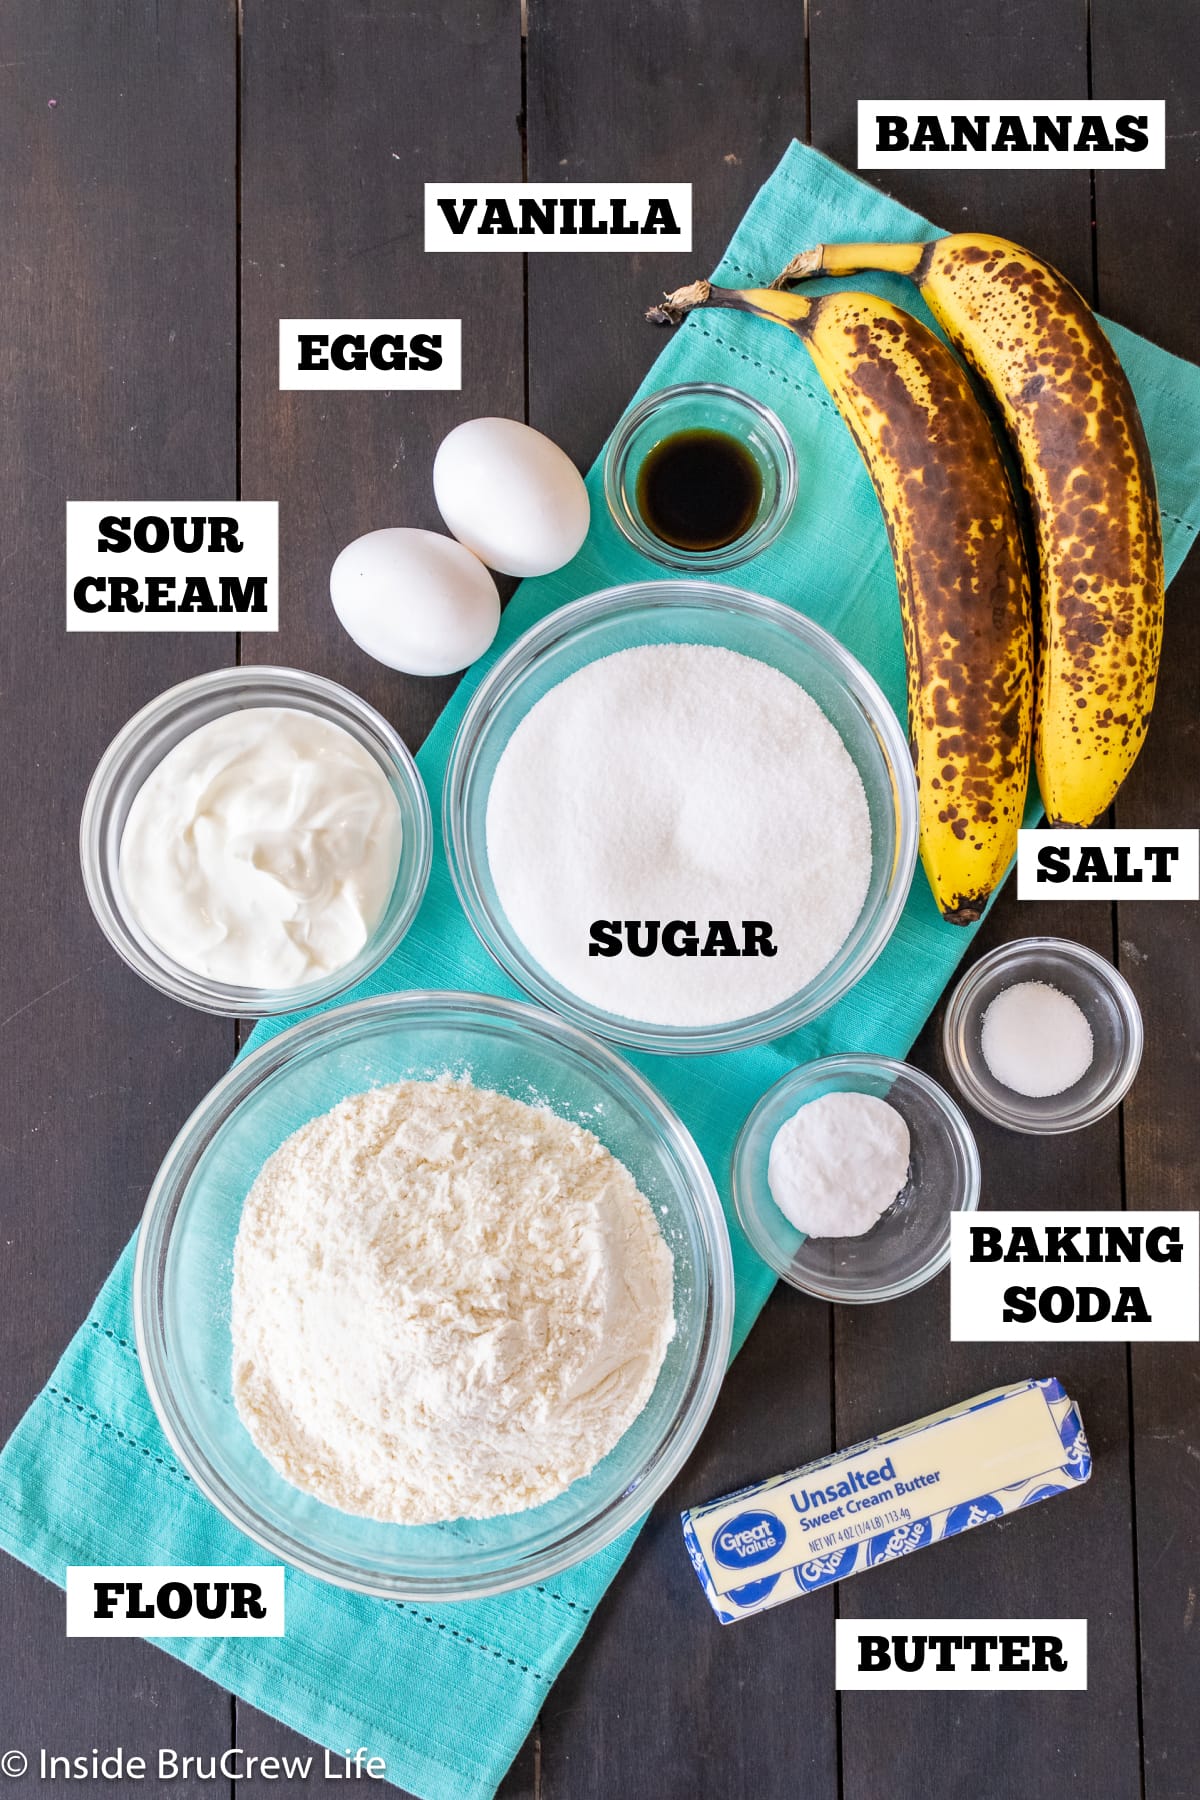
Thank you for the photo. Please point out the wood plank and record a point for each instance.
(1145, 248)
(619, 92)
(117, 364)
(994, 1743)
(942, 50)
(118, 352)
(1045, 1564)
(659, 1701)
(346, 112)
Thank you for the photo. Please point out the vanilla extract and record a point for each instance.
(699, 490)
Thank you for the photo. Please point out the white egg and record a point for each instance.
(511, 496)
(415, 600)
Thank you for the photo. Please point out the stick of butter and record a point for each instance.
(882, 1498)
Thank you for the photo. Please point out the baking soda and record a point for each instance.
(838, 1164)
(679, 782)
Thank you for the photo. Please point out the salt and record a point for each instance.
(1036, 1040)
(679, 782)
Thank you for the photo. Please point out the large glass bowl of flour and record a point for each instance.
(184, 1277)
(722, 821)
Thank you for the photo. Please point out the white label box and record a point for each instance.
(371, 354)
(984, 1655)
(1108, 864)
(1012, 134)
(532, 217)
(172, 565)
(162, 1601)
(1075, 1277)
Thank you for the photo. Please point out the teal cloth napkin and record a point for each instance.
(446, 1694)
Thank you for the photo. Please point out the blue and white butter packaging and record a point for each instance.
(882, 1498)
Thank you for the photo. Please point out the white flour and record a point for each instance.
(837, 1165)
(679, 781)
(446, 1304)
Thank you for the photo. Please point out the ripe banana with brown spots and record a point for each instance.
(960, 568)
(1070, 411)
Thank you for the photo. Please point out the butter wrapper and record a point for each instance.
(889, 1495)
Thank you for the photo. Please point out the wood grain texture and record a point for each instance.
(1147, 221)
(643, 90)
(133, 219)
(345, 112)
(117, 153)
(1040, 1565)
(659, 1700)
(1043, 1564)
(948, 50)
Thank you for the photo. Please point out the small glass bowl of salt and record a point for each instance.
(1043, 1036)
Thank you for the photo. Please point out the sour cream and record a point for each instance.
(262, 850)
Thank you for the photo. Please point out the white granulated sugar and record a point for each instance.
(679, 781)
(446, 1304)
(1036, 1040)
(838, 1164)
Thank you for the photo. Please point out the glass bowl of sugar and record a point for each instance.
(1043, 1036)
(681, 816)
(832, 1174)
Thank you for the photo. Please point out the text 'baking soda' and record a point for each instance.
(1069, 1277)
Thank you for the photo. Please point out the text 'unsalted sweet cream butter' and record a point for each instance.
(880, 1499)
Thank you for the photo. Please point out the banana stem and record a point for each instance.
(808, 263)
(676, 306)
(783, 309)
(852, 259)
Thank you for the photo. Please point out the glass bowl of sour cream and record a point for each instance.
(255, 841)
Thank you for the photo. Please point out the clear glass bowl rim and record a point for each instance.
(465, 858)
(294, 687)
(959, 1010)
(166, 1198)
(624, 513)
(797, 1082)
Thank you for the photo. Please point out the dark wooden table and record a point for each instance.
(175, 176)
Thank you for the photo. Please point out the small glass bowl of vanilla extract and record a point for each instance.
(700, 476)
